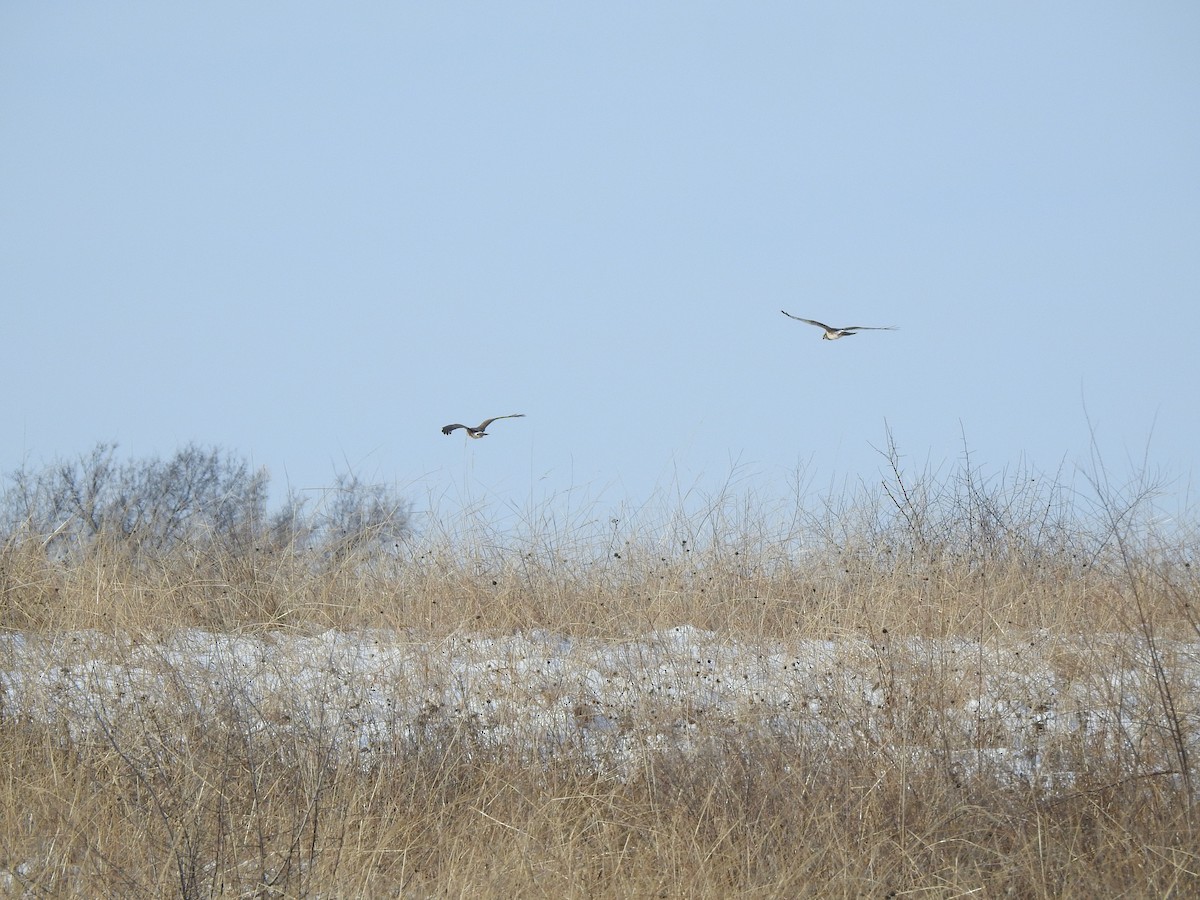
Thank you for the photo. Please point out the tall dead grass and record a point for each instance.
(934, 583)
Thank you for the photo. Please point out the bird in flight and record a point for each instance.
(481, 429)
(832, 334)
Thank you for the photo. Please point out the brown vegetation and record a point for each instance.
(928, 593)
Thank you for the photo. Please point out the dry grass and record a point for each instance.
(925, 591)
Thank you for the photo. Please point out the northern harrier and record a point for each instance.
(832, 334)
(481, 429)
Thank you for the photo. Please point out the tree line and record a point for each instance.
(198, 498)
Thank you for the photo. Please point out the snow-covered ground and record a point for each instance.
(1035, 711)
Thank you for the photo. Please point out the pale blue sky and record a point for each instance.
(313, 233)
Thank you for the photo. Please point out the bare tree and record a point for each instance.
(351, 518)
(197, 496)
(198, 499)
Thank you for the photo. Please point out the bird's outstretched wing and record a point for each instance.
(808, 321)
(450, 428)
(487, 422)
(869, 328)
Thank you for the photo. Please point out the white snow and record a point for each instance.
(1003, 708)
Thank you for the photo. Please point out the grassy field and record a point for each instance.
(996, 693)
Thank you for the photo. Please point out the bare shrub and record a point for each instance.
(352, 520)
(196, 497)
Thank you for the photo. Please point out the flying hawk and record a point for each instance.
(481, 429)
(832, 334)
